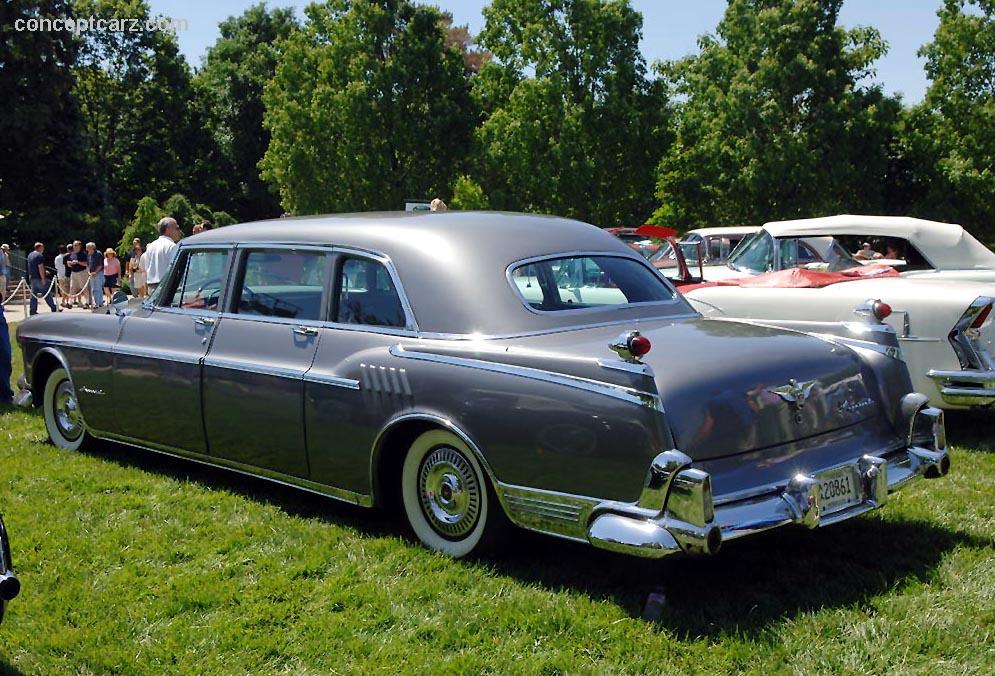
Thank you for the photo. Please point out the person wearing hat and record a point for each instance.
(112, 271)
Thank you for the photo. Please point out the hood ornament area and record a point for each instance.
(795, 393)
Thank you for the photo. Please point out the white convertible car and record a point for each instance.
(714, 245)
(944, 324)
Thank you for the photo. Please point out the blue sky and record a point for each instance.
(670, 29)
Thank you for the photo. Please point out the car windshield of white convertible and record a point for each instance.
(759, 253)
(577, 282)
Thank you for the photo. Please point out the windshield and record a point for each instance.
(577, 282)
(759, 253)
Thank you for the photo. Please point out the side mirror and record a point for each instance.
(118, 301)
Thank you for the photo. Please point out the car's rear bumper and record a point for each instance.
(693, 521)
(966, 387)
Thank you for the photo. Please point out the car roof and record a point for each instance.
(451, 264)
(945, 245)
(726, 230)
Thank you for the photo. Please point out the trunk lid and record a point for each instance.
(731, 387)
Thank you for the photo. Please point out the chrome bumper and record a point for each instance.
(23, 398)
(693, 522)
(965, 388)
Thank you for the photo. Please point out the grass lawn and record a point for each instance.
(136, 563)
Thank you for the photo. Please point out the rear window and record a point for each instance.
(578, 282)
(367, 295)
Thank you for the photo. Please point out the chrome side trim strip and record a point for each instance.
(360, 499)
(596, 386)
(154, 354)
(334, 381)
(232, 365)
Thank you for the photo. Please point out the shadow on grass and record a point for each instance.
(753, 583)
(750, 585)
(971, 429)
(8, 669)
(294, 501)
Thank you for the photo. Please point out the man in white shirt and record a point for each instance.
(159, 254)
(62, 281)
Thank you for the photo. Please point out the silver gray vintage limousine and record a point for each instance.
(477, 368)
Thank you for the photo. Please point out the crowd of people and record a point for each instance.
(83, 276)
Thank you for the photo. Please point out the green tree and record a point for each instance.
(46, 180)
(368, 107)
(232, 78)
(144, 225)
(144, 126)
(180, 208)
(572, 125)
(468, 195)
(775, 122)
(949, 144)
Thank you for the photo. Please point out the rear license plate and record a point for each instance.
(838, 489)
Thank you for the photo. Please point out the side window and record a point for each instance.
(367, 295)
(285, 284)
(200, 281)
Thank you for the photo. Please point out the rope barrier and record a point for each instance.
(12, 293)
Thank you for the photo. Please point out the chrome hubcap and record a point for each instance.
(66, 408)
(450, 493)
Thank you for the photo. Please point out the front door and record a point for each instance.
(254, 373)
(157, 359)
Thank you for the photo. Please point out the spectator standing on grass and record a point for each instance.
(136, 274)
(38, 279)
(201, 227)
(79, 278)
(61, 281)
(95, 269)
(112, 272)
(438, 205)
(67, 273)
(159, 254)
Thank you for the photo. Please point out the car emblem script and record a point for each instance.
(794, 393)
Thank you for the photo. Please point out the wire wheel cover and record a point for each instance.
(449, 492)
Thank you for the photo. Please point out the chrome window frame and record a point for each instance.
(675, 300)
(410, 326)
(410, 330)
(241, 253)
(153, 303)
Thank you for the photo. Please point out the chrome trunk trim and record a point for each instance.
(627, 394)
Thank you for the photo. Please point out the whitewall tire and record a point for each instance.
(63, 417)
(446, 497)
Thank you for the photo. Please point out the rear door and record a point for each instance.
(253, 378)
(157, 358)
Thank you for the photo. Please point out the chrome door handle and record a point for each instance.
(204, 321)
(306, 331)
